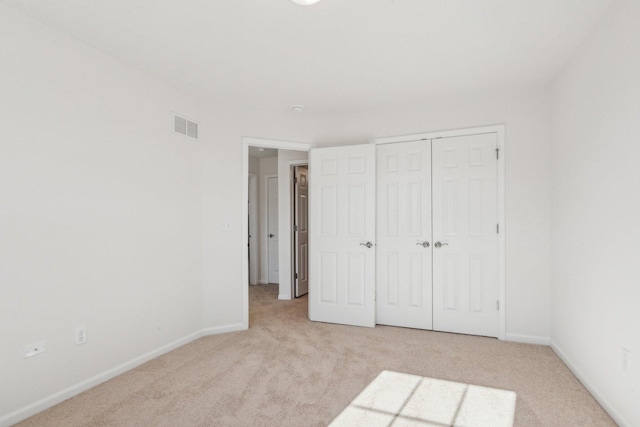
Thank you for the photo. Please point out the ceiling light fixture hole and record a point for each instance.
(305, 2)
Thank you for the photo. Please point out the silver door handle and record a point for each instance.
(368, 245)
(424, 244)
(271, 235)
(438, 244)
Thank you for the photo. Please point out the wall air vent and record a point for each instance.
(185, 127)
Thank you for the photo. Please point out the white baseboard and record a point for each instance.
(62, 395)
(528, 339)
(224, 329)
(619, 419)
(54, 399)
(284, 297)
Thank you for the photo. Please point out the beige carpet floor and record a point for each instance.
(288, 371)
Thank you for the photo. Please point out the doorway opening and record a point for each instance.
(270, 234)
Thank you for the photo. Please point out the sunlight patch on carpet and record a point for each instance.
(397, 399)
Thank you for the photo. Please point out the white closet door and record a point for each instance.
(465, 273)
(341, 235)
(272, 230)
(403, 233)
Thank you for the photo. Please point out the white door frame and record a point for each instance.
(246, 143)
(499, 130)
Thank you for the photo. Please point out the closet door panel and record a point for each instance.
(465, 254)
(403, 263)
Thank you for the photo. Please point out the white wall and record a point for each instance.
(526, 115)
(285, 249)
(254, 165)
(100, 216)
(596, 212)
(254, 221)
(111, 220)
(223, 202)
(254, 217)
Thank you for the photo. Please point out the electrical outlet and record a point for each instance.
(35, 348)
(625, 359)
(226, 226)
(81, 335)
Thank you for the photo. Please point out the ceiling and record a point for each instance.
(335, 57)
(262, 153)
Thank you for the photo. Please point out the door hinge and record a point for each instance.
(296, 275)
(497, 153)
(498, 228)
(295, 228)
(497, 304)
(295, 180)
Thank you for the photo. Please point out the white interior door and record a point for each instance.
(301, 230)
(403, 233)
(342, 235)
(253, 229)
(465, 218)
(272, 229)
